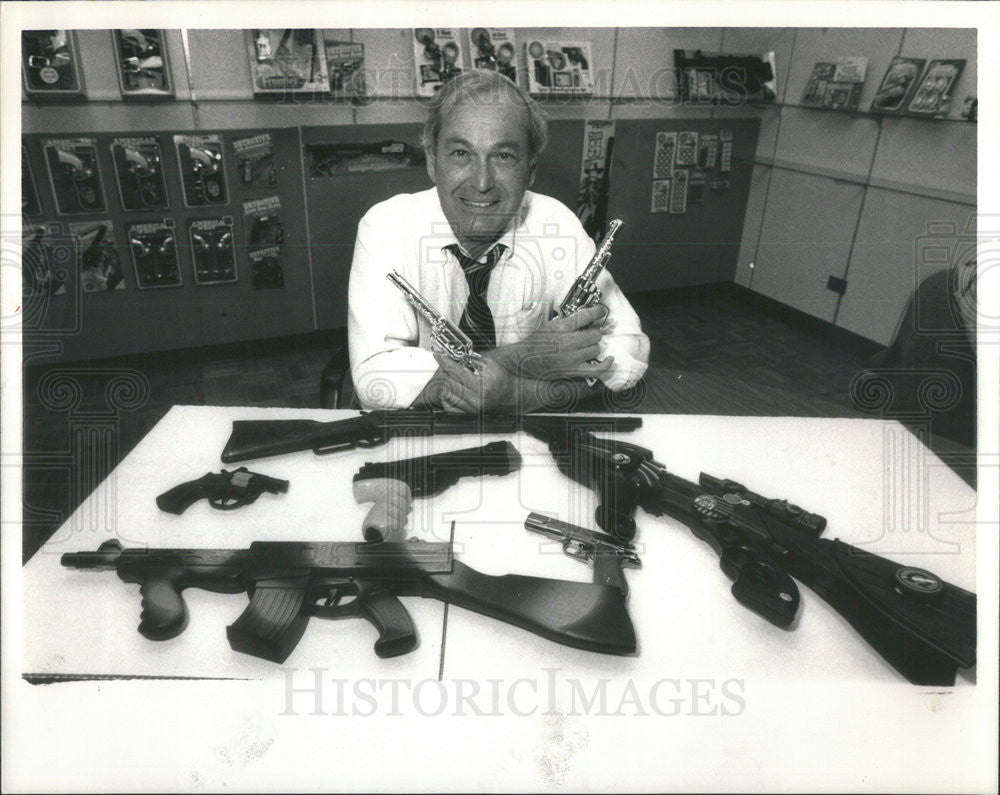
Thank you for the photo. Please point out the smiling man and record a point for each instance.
(492, 257)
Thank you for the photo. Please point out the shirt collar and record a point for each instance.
(441, 227)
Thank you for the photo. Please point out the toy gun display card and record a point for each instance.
(559, 68)
(30, 204)
(678, 192)
(708, 152)
(726, 153)
(139, 173)
(154, 254)
(898, 85)
(203, 172)
(687, 149)
(143, 66)
(255, 161)
(663, 158)
(495, 49)
(438, 56)
(100, 265)
(661, 196)
(345, 62)
(74, 174)
(50, 64)
(265, 238)
(213, 250)
(933, 95)
(287, 61)
(45, 262)
(595, 175)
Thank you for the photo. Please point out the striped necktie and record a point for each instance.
(477, 320)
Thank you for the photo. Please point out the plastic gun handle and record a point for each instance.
(181, 497)
(164, 614)
(387, 518)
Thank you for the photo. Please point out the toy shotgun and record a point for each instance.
(923, 626)
(289, 582)
(260, 438)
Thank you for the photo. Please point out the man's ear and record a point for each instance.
(531, 173)
(431, 163)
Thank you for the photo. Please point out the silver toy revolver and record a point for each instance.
(449, 337)
(584, 293)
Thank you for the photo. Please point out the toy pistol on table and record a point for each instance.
(290, 582)
(923, 626)
(446, 335)
(225, 490)
(608, 554)
(261, 438)
(393, 485)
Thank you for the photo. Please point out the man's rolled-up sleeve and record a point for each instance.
(623, 338)
(388, 369)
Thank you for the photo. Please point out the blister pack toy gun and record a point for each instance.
(225, 490)
(923, 626)
(290, 582)
(261, 438)
(608, 554)
(393, 485)
(446, 335)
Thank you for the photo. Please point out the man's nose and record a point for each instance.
(483, 178)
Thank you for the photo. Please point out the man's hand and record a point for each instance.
(563, 347)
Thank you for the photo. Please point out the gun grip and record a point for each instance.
(765, 590)
(164, 614)
(387, 518)
(396, 633)
(180, 498)
(273, 622)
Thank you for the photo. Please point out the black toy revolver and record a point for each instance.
(923, 626)
(392, 486)
(225, 491)
(289, 582)
(260, 438)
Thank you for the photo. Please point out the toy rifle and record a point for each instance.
(260, 438)
(290, 582)
(921, 625)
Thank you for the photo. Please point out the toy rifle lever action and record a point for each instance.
(289, 582)
(260, 438)
(921, 625)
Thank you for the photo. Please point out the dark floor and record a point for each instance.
(713, 351)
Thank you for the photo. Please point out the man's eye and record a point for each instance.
(459, 153)
(505, 157)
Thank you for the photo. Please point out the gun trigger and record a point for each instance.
(228, 502)
(577, 550)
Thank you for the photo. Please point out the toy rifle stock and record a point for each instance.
(921, 625)
(290, 582)
(261, 438)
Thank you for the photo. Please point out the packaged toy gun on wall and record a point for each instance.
(290, 582)
(924, 627)
(260, 438)
(392, 486)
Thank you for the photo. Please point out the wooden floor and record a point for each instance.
(712, 352)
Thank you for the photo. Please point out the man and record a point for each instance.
(492, 257)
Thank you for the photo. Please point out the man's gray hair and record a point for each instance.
(487, 87)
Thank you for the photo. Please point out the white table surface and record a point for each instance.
(879, 488)
(716, 699)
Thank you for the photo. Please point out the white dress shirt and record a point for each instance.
(546, 248)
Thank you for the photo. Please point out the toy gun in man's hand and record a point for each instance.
(225, 490)
(393, 485)
(290, 582)
(446, 335)
(261, 438)
(923, 626)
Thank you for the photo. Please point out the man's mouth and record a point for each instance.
(478, 205)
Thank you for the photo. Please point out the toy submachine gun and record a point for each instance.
(290, 582)
(921, 625)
